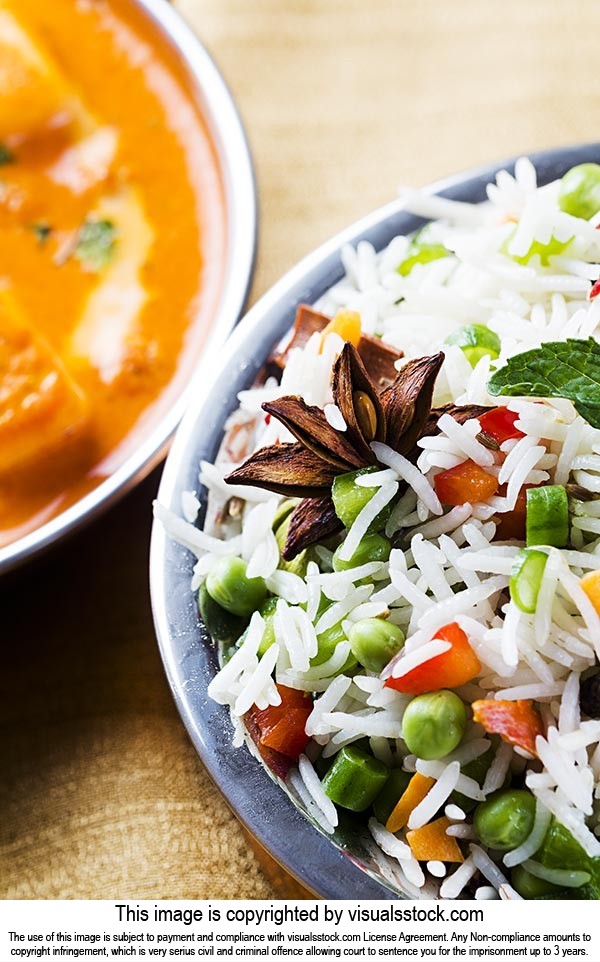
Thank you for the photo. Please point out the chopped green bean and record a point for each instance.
(349, 498)
(547, 517)
(355, 779)
(373, 547)
(526, 578)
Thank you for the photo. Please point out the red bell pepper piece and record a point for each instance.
(594, 290)
(278, 763)
(517, 722)
(452, 668)
(466, 482)
(282, 728)
(499, 423)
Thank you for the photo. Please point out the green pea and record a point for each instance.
(434, 724)
(373, 547)
(220, 624)
(374, 642)
(580, 191)
(505, 819)
(267, 610)
(228, 585)
(528, 885)
(328, 640)
(349, 498)
(390, 794)
(299, 564)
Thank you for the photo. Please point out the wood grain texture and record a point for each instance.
(102, 793)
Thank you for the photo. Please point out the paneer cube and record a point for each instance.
(42, 410)
(33, 91)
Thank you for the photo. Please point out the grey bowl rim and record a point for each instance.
(322, 869)
(220, 114)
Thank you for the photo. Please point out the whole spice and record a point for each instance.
(307, 467)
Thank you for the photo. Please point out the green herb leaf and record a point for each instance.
(42, 231)
(564, 369)
(6, 155)
(96, 244)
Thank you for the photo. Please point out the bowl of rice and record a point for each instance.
(375, 563)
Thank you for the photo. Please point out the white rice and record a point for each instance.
(436, 796)
(560, 877)
(487, 867)
(313, 784)
(453, 885)
(486, 893)
(533, 841)
(334, 417)
(446, 564)
(388, 843)
(365, 518)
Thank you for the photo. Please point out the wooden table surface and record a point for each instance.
(343, 100)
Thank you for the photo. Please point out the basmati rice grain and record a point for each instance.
(313, 785)
(436, 796)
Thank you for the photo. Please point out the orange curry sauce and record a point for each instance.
(112, 243)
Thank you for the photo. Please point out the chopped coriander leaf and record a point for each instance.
(42, 231)
(564, 369)
(6, 155)
(96, 244)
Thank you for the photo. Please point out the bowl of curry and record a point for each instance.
(127, 237)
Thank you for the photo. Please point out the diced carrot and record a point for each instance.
(431, 844)
(591, 585)
(415, 792)
(346, 324)
(517, 722)
(466, 482)
(452, 668)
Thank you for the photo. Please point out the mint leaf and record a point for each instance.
(564, 369)
(96, 244)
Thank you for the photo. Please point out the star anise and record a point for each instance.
(307, 467)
